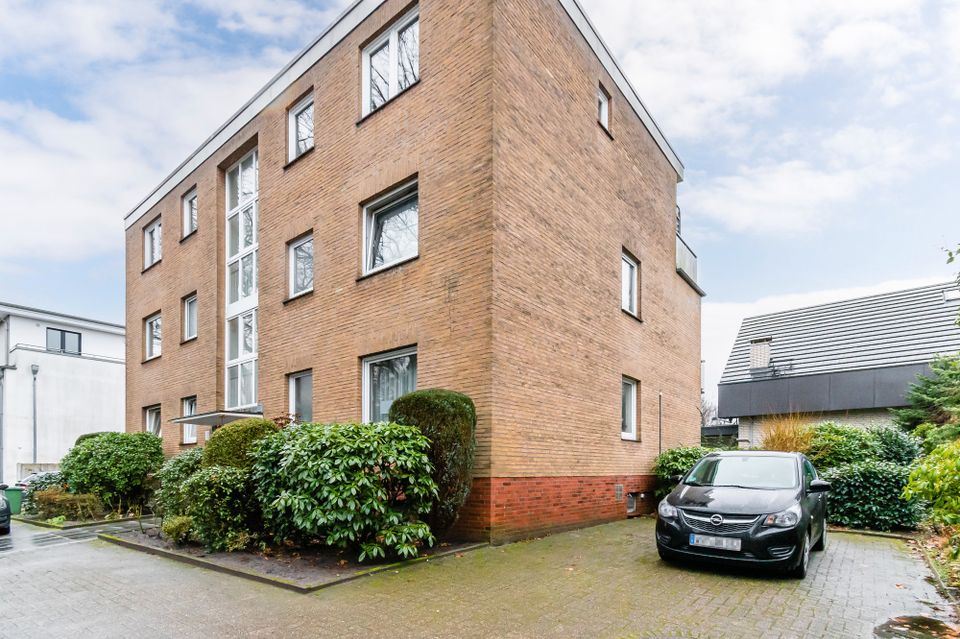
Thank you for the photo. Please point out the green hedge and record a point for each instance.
(676, 461)
(230, 445)
(895, 445)
(359, 486)
(835, 444)
(449, 420)
(868, 495)
(173, 474)
(224, 513)
(936, 480)
(114, 467)
(43, 482)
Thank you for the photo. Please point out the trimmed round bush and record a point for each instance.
(936, 480)
(868, 495)
(114, 467)
(895, 445)
(230, 445)
(833, 445)
(174, 472)
(357, 486)
(223, 510)
(449, 420)
(676, 461)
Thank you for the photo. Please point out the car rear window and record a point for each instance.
(745, 471)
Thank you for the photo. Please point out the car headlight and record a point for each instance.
(784, 519)
(666, 511)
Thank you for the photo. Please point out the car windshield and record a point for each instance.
(745, 471)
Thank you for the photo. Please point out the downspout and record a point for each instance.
(660, 422)
(35, 369)
(3, 369)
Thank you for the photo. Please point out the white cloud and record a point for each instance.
(282, 18)
(721, 321)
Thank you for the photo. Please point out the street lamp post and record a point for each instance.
(35, 369)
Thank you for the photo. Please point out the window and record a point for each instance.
(603, 108)
(391, 63)
(153, 333)
(60, 341)
(679, 221)
(300, 128)
(189, 212)
(628, 284)
(190, 317)
(385, 378)
(242, 360)
(242, 213)
(301, 397)
(301, 266)
(391, 228)
(189, 430)
(151, 420)
(152, 243)
(760, 352)
(628, 409)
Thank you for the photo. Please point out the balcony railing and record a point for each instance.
(687, 264)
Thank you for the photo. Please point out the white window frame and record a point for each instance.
(190, 302)
(147, 412)
(189, 408)
(634, 310)
(189, 226)
(292, 391)
(390, 36)
(370, 212)
(367, 378)
(603, 107)
(631, 433)
(292, 266)
(148, 350)
(152, 243)
(245, 306)
(293, 152)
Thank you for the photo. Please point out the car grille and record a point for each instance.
(730, 526)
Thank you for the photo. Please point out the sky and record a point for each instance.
(819, 137)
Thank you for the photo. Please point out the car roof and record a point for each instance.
(755, 453)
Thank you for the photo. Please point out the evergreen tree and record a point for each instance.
(934, 399)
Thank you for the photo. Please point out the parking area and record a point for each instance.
(605, 581)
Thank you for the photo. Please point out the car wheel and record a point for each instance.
(822, 542)
(5, 531)
(800, 570)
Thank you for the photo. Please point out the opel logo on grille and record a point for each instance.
(716, 520)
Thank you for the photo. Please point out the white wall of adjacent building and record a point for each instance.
(75, 394)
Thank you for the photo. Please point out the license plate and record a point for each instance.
(722, 543)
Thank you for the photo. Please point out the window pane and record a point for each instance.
(233, 282)
(394, 233)
(154, 334)
(191, 214)
(233, 235)
(627, 405)
(389, 380)
(233, 339)
(233, 188)
(627, 282)
(303, 397)
(71, 342)
(189, 433)
(248, 334)
(153, 421)
(248, 179)
(249, 229)
(408, 55)
(303, 267)
(157, 242)
(190, 318)
(247, 281)
(247, 382)
(233, 386)
(305, 129)
(379, 76)
(53, 339)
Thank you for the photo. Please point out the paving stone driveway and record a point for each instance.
(599, 582)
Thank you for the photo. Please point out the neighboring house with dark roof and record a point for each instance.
(850, 361)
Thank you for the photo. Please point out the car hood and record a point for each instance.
(733, 501)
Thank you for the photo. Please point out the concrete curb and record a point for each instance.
(84, 524)
(871, 533)
(275, 581)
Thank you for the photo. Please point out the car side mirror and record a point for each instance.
(3, 486)
(818, 486)
(676, 478)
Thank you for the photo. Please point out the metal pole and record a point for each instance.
(35, 369)
(2, 372)
(660, 422)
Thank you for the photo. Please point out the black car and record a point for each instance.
(753, 507)
(4, 512)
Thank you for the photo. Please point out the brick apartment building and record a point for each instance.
(466, 195)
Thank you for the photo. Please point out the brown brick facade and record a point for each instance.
(525, 206)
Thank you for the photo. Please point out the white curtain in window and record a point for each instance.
(389, 379)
